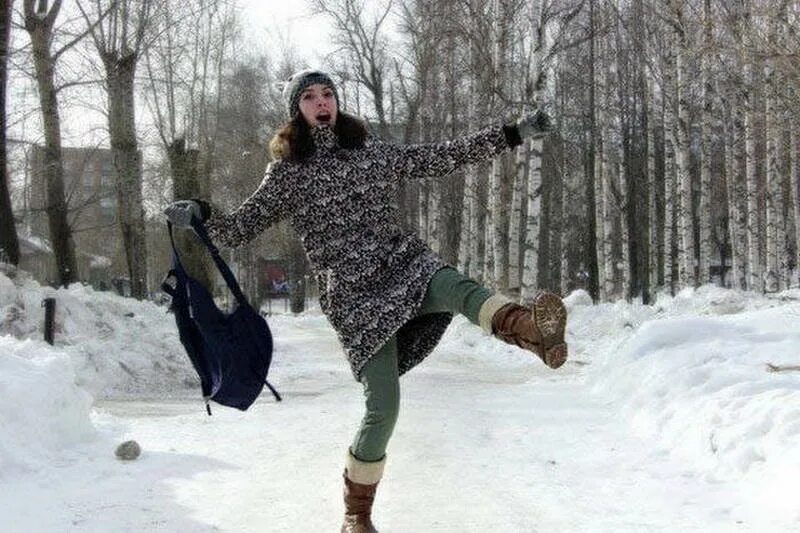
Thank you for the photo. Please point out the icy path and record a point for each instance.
(478, 448)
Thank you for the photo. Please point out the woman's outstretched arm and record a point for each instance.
(440, 159)
(270, 203)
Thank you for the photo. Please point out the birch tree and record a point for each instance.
(497, 252)
(704, 209)
(774, 191)
(471, 236)
(732, 129)
(545, 47)
(685, 212)
(669, 169)
(651, 112)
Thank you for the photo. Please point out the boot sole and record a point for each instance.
(550, 317)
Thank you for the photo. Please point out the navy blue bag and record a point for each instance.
(231, 352)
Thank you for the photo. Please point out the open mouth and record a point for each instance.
(324, 117)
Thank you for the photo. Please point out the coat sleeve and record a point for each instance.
(270, 203)
(435, 160)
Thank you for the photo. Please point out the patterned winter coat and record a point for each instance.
(372, 274)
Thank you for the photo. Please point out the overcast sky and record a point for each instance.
(269, 22)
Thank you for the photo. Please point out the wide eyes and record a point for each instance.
(310, 95)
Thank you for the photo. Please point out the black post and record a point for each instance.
(49, 305)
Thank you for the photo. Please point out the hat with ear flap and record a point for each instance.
(298, 82)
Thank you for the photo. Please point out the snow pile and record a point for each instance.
(118, 346)
(699, 386)
(43, 410)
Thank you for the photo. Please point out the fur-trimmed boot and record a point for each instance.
(539, 329)
(360, 482)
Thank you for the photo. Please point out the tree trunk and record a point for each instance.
(704, 211)
(565, 217)
(9, 245)
(530, 274)
(669, 173)
(515, 224)
(499, 220)
(774, 191)
(600, 217)
(626, 255)
(754, 268)
(685, 214)
(186, 185)
(652, 268)
(592, 248)
(434, 216)
(127, 162)
(607, 199)
(41, 30)
(736, 218)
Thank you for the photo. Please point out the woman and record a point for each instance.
(387, 295)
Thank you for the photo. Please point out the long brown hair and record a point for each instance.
(293, 141)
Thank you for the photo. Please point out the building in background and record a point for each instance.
(89, 178)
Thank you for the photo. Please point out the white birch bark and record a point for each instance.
(530, 275)
(434, 216)
(704, 209)
(465, 241)
(626, 256)
(771, 274)
(476, 258)
(669, 171)
(652, 106)
(488, 252)
(533, 177)
(566, 211)
(599, 210)
(469, 243)
(754, 266)
(515, 223)
(608, 217)
(498, 215)
(685, 216)
(736, 215)
(464, 263)
(609, 209)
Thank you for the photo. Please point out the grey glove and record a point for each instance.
(180, 213)
(534, 125)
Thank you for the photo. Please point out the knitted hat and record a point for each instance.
(298, 82)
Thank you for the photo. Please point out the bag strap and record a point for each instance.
(227, 275)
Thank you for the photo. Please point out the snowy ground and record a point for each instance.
(665, 419)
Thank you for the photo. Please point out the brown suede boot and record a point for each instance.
(360, 483)
(539, 329)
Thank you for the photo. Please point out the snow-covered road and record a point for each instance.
(477, 449)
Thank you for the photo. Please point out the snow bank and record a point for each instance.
(118, 346)
(43, 410)
(699, 386)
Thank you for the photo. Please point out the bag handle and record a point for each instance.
(227, 275)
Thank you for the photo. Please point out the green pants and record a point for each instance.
(449, 291)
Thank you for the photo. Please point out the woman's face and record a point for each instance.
(318, 105)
